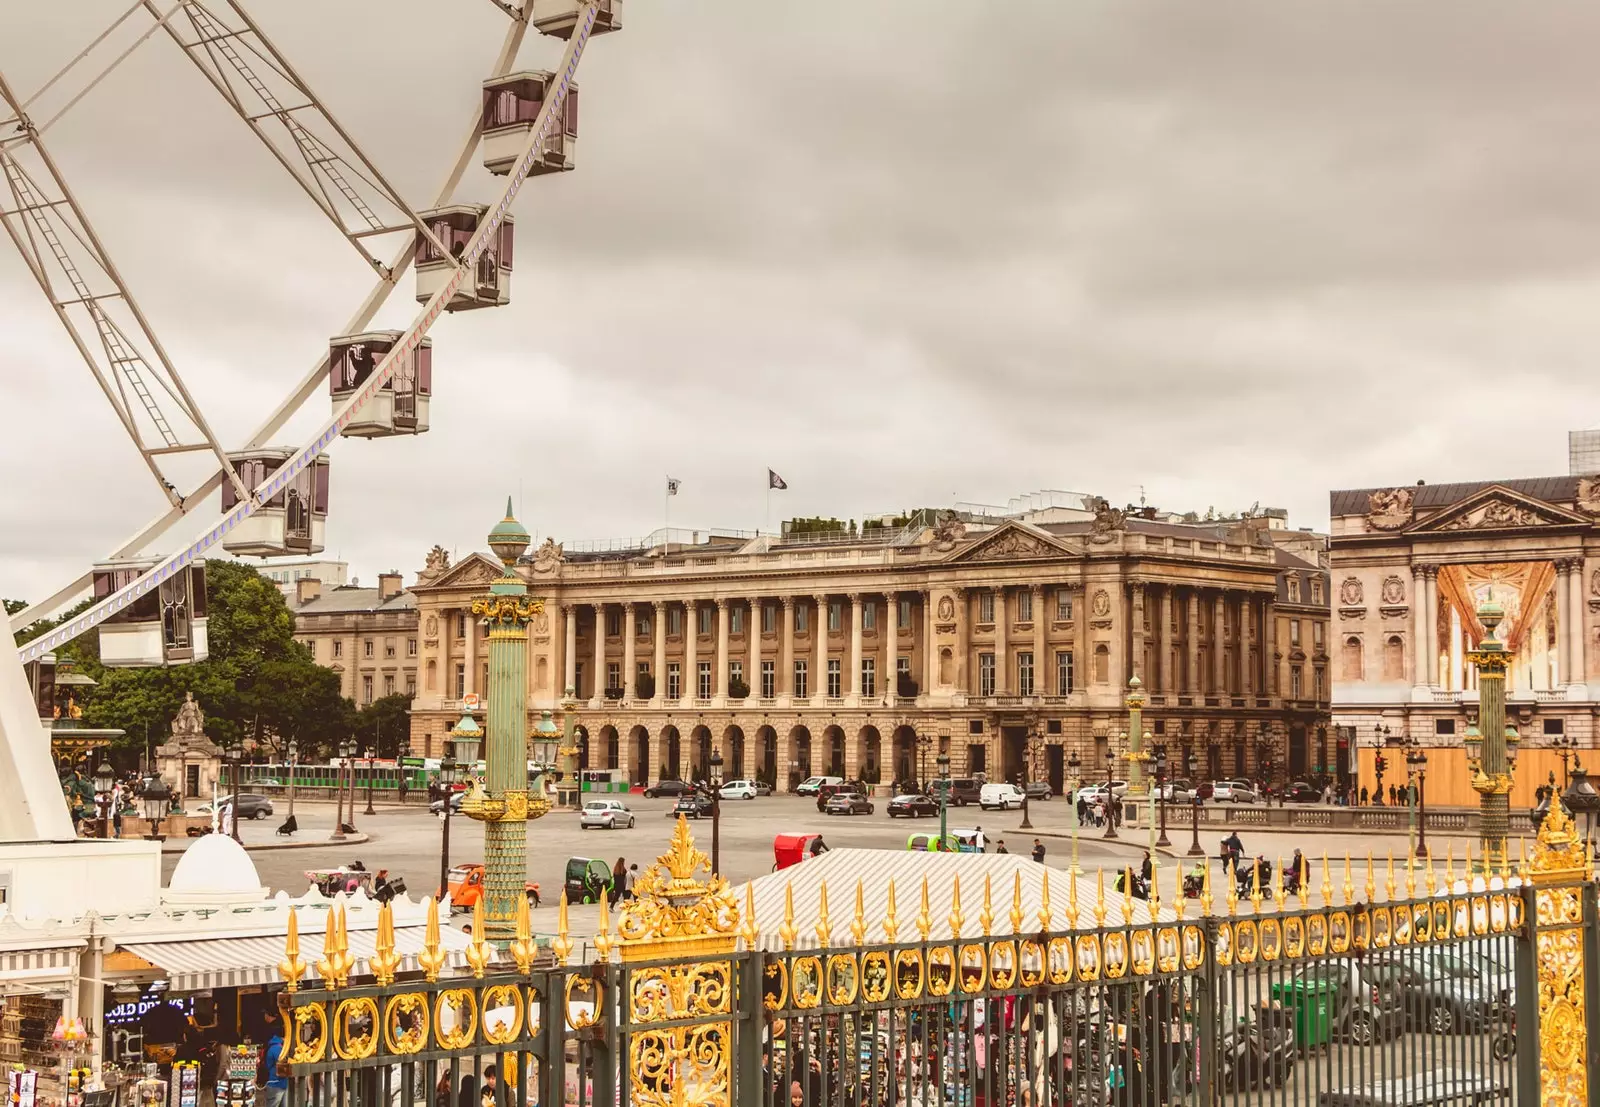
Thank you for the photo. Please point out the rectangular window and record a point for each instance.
(703, 679)
(1316, 590)
(674, 620)
(1063, 672)
(1024, 607)
(388, 647)
(1024, 673)
(835, 617)
(800, 689)
(411, 647)
(642, 625)
(613, 676)
(338, 649)
(643, 670)
(802, 619)
(1316, 634)
(411, 685)
(366, 648)
(986, 608)
(869, 616)
(1444, 726)
(1294, 632)
(986, 674)
(674, 680)
(904, 617)
(834, 691)
(1317, 681)
(769, 619)
(461, 625)
(461, 680)
(736, 621)
(869, 676)
(1063, 605)
(705, 613)
(366, 690)
(613, 623)
(735, 673)
(388, 685)
(769, 679)
(902, 667)
(1556, 727)
(1294, 682)
(577, 678)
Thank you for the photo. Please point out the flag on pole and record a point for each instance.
(775, 481)
(672, 486)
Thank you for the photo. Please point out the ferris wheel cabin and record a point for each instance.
(511, 104)
(559, 18)
(292, 522)
(165, 626)
(401, 405)
(489, 284)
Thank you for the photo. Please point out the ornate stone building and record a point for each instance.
(806, 654)
(1412, 564)
(366, 635)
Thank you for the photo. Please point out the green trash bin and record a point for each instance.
(1311, 1000)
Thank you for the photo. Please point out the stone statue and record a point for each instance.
(547, 558)
(947, 531)
(1390, 508)
(437, 561)
(1107, 519)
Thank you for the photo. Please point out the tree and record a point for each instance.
(379, 725)
(14, 606)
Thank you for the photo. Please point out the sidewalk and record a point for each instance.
(258, 835)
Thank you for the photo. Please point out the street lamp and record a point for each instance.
(294, 764)
(154, 799)
(1381, 734)
(447, 780)
(1030, 748)
(1417, 768)
(347, 752)
(716, 809)
(235, 754)
(371, 752)
(1565, 744)
(1074, 764)
(105, 779)
(924, 744)
(943, 761)
(1111, 799)
(1583, 801)
(1161, 779)
(1195, 849)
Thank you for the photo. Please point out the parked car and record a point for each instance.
(999, 797)
(739, 790)
(1176, 791)
(1436, 1000)
(828, 791)
(692, 804)
(251, 805)
(848, 803)
(1364, 1010)
(265, 782)
(913, 806)
(963, 790)
(1234, 791)
(762, 787)
(1302, 792)
(437, 806)
(813, 784)
(668, 788)
(608, 813)
(1037, 790)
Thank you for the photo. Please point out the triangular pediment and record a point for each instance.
(475, 570)
(1013, 542)
(1497, 508)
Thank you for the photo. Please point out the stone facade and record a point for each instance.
(800, 656)
(366, 635)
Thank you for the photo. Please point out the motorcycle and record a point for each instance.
(1141, 886)
(1245, 878)
(1504, 1043)
(1193, 885)
(1259, 1053)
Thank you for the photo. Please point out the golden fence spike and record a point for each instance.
(524, 948)
(1467, 866)
(1372, 880)
(1522, 858)
(1177, 891)
(328, 964)
(1205, 889)
(1127, 896)
(1277, 885)
(1044, 903)
(1304, 887)
(986, 914)
(786, 930)
(292, 968)
(603, 940)
(478, 952)
(891, 924)
(1388, 881)
(1155, 893)
(1327, 881)
(1255, 887)
(1411, 875)
(1347, 890)
(1072, 899)
(562, 944)
(432, 956)
(924, 921)
(1016, 902)
(824, 924)
(747, 925)
(956, 917)
(384, 960)
(1449, 866)
(347, 960)
(1100, 898)
(1430, 878)
(1230, 891)
(858, 925)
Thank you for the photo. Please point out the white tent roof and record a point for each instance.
(842, 869)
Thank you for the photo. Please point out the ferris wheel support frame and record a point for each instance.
(549, 112)
(315, 379)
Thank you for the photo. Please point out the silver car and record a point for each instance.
(609, 814)
(1234, 791)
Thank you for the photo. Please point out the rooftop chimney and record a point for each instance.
(306, 589)
(389, 584)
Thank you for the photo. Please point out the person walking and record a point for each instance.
(1038, 851)
(1000, 846)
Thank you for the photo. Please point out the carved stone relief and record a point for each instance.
(1390, 508)
(1394, 590)
(947, 608)
(1496, 514)
(1102, 604)
(1350, 591)
(1012, 544)
(1589, 495)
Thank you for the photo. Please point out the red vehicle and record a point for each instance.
(791, 849)
(466, 888)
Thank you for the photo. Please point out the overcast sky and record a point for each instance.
(902, 252)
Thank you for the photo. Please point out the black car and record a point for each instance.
(912, 806)
(692, 804)
(251, 805)
(1302, 792)
(963, 790)
(668, 788)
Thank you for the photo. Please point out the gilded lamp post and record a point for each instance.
(1137, 787)
(502, 803)
(1491, 745)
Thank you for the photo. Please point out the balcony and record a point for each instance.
(1443, 695)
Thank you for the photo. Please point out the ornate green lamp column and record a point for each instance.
(1136, 735)
(503, 805)
(1490, 752)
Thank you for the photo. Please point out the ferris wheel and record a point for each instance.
(274, 498)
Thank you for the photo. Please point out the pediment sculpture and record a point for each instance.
(1390, 508)
(1014, 543)
(947, 531)
(1496, 514)
(1589, 495)
(1107, 520)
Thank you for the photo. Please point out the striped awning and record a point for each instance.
(49, 963)
(193, 966)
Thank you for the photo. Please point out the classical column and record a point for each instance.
(890, 630)
(1192, 642)
(752, 632)
(1247, 640)
(1430, 630)
(1575, 607)
(658, 635)
(1219, 651)
(819, 630)
(1002, 624)
(1041, 670)
(471, 657)
(1164, 643)
(724, 609)
(599, 653)
(630, 631)
(856, 616)
(447, 637)
(962, 680)
(1492, 778)
(1082, 663)
(569, 614)
(1136, 625)
(785, 684)
(930, 646)
(1269, 648)
(689, 684)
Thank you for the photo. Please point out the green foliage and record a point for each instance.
(380, 725)
(814, 525)
(14, 606)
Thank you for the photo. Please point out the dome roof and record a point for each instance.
(215, 870)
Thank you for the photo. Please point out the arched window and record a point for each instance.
(1394, 658)
(1351, 659)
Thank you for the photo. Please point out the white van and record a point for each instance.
(998, 797)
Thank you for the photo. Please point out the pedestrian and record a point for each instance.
(1083, 809)
(270, 1075)
(633, 878)
(978, 838)
(619, 880)
(469, 1092)
(1038, 851)
(1000, 846)
(1393, 794)
(404, 787)
(1363, 795)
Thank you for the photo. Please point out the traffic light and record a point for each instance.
(1380, 763)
